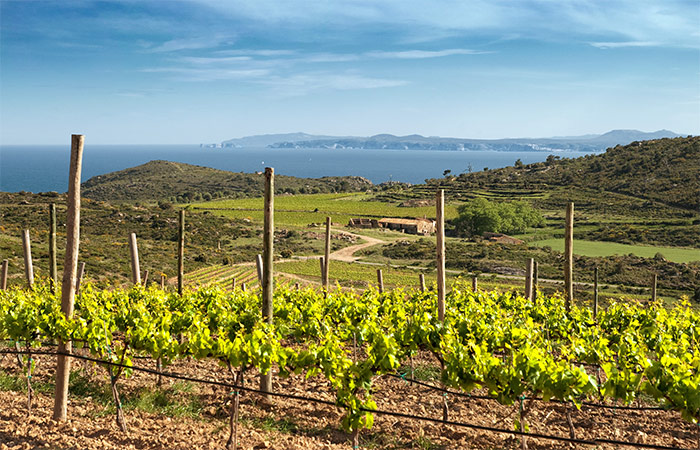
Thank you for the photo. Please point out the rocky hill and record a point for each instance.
(165, 180)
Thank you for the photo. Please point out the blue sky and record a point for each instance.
(207, 70)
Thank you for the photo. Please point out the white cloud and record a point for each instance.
(189, 74)
(307, 83)
(193, 43)
(423, 54)
(610, 45)
(665, 22)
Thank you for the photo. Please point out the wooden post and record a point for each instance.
(529, 270)
(135, 268)
(569, 256)
(595, 293)
(380, 281)
(267, 278)
(421, 279)
(28, 265)
(243, 287)
(296, 286)
(653, 287)
(145, 278)
(440, 215)
(53, 269)
(70, 267)
(327, 255)
(162, 281)
(259, 266)
(475, 283)
(535, 279)
(79, 280)
(181, 253)
(233, 284)
(3, 274)
(322, 264)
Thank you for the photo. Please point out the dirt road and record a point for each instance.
(347, 254)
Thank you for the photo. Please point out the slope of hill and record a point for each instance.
(663, 171)
(165, 180)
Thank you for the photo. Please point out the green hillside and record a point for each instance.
(165, 180)
(663, 171)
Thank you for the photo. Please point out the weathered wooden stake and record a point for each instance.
(53, 269)
(135, 268)
(79, 280)
(70, 267)
(653, 287)
(296, 286)
(267, 278)
(380, 281)
(569, 256)
(440, 216)
(233, 284)
(595, 293)
(259, 267)
(3, 274)
(535, 279)
(529, 270)
(181, 252)
(28, 265)
(244, 288)
(475, 283)
(162, 281)
(322, 265)
(421, 279)
(145, 278)
(327, 255)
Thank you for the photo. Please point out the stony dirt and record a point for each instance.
(294, 424)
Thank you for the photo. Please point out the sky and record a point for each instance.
(203, 71)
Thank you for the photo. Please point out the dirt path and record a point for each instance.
(347, 254)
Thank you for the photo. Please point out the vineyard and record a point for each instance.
(530, 357)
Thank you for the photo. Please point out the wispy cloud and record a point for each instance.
(423, 54)
(304, 84)
(669, 23)
(193, 43)
(200, 75)
(251, 52)
(610, 45)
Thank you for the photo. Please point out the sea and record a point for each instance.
(42, 168)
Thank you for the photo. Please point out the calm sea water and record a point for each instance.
(45, 168)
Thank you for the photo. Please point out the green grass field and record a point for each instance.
(301, 210)
(589, 248)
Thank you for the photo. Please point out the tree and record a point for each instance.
(480, 216)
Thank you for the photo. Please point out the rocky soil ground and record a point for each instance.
(186, 415)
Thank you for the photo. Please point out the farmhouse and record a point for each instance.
(363, 223)
(411, 226)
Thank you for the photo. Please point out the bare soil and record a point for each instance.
(295, 424)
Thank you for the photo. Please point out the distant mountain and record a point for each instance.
(624, 137)
(165, 180)
(587, 143)
(263, 140)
